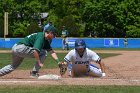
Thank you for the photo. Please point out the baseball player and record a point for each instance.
(79, 61)
(64, 38)
(44, 29)
(32, 46)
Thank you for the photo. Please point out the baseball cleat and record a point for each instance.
(34, 74)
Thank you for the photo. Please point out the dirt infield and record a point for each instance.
(120, 70)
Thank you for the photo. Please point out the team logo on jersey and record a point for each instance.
(82, 62)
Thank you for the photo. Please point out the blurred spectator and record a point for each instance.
(65, 38)
(125, 42)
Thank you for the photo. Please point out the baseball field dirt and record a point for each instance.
(120, 70)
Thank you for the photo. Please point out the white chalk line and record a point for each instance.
(46, 80)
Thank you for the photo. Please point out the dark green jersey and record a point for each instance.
(37, 41)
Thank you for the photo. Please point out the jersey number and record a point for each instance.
(31, 35)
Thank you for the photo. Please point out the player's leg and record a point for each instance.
(36, 68)
(63, 43)
(22, 50)
(66, 43)
(25, 51)
(16, 61)
(94, 71)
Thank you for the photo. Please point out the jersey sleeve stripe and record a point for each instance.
(66, 60)
(98, 60)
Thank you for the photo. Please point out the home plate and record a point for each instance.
(50, 76)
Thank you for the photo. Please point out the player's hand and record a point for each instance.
(103, 74)
(40, 64)
(63, 67)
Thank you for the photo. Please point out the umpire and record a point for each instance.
(33, 45)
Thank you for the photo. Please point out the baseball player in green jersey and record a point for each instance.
(33, 45)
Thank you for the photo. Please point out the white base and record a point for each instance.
(50, 76)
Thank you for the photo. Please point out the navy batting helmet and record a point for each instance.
(79, 43)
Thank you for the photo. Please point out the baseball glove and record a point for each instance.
(63, 67)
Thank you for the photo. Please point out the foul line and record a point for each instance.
(48, 80)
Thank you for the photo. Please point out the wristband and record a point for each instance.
(103, 74)
(57, 60)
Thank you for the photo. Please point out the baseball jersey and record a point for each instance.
(81, 64)
(37, 41)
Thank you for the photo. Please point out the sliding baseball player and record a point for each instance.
(79, 61)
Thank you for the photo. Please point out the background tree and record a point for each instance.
(111, 18)
(102, 18)
(68, 13)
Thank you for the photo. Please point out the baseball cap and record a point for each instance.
(52, 29)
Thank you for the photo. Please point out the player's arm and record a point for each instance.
(62, 65)
(37, 47)
(97, 59)
(102, 66)
(36, 55)
(54, 55)
(68, 57)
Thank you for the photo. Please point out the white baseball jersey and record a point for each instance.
(81, 64)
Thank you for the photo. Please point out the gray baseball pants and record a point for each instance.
(19, 52)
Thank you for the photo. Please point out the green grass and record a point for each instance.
(28, 63)
(69, 89)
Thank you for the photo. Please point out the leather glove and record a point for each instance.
(63, 67)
